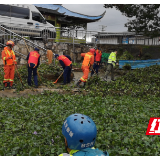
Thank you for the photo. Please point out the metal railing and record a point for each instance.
(76, 36)
(19, 32)
(7, 34)
(56, 34)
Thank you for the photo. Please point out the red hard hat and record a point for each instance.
(10, 43)
(92, 50)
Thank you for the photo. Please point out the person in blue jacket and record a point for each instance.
(80, 135)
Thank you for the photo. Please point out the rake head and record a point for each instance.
(55, 82)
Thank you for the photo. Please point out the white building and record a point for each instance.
(124, 38)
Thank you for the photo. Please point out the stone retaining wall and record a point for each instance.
(57, 48)
(67, 49)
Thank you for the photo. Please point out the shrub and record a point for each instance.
(127, 67)
(126, 56)
(147, 56)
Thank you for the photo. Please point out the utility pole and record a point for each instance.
(103, 27)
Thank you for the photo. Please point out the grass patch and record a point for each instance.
(32, 126)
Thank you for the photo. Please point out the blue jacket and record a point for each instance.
(86, 152)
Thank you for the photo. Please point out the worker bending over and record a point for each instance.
(66, 63)
(9, 61)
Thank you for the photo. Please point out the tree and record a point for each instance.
(146, 17)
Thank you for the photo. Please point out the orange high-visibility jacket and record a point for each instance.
(65, 60)
(33, 57)
(88, 59)
(8, 53)
(98, 55)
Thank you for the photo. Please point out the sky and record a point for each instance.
(113, 19)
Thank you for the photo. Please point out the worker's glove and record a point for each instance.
(9, 58)
(117, 64)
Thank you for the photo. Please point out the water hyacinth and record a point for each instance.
(52, 141)
(35, 133)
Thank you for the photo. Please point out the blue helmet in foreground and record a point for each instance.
(80, 131)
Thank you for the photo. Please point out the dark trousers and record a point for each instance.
(95, 68)
(30, 69)
(67, 74)
(110, 69)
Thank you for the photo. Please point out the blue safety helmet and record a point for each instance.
(56, 55)
(80, 131)
(36, 49)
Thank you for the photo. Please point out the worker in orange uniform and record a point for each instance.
(66, 63)
(87, 63)
(9, 61)
(33, 63)
(97, 60)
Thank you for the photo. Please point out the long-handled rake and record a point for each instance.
(19, 75)
(93, 70)
(58, 78)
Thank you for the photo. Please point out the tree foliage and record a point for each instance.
(145, 17)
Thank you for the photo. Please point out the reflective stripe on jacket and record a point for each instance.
(70, 153)
(112, 58)
(98, 55)
(33, 57)
(65, 60)
(65, 154)
(8, 53)
(88, 59)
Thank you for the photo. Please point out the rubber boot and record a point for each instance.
(63, 84)
(84, 84)
(78, 83)
(5, 85)
(11, 85)
(8, 84)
